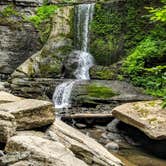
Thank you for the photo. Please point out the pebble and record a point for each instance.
(112, 146)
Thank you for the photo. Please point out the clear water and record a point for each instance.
(84, 13)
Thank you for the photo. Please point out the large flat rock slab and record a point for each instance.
(86, 148)
(7, 126)
(30, 113)
(6, 97)
(42, 152)
(148, 116)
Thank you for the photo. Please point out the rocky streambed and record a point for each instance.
(31, 134)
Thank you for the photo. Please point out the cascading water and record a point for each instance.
(84, 14)
(62, 93)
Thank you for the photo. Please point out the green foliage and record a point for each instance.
(42, 14)
(11, 17)
(146, 65)
(9, 11)
(100, 91)
(158, 14)
(117, 29)
(41, 20)
(105, 26)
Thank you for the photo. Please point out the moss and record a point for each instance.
(7, 15)
(143, 112)
(12, 24)
(100, 91)
(50, 70)
(152, 120)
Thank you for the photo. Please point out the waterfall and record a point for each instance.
(83, 17)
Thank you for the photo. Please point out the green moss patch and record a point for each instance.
(100, 91)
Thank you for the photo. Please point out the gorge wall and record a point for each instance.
(18, 39)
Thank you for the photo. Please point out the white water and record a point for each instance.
(84, 64)
(84, 13)
(62, 94)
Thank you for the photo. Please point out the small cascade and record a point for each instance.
(84, 64)
(62, 94)
(83, 17)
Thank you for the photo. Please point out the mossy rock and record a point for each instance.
(112, 72)
(100, 91)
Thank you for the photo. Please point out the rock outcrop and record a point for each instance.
(147, 116)
(84, 147)
(42, 152)
(19, 39)
(6, 97)
(7, 126)
(47, 63)
(30, 113)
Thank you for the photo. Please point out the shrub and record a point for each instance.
(42, 20)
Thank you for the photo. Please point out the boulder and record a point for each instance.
(147, 116)
(7, 126)
(6, 97)
(74, 62)
(42, 152)
(31, 113)
(84, 147)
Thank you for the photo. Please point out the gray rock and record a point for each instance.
(47, 63)
(1, 153)
(114, 137)
(112, 126)
(19, 40)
